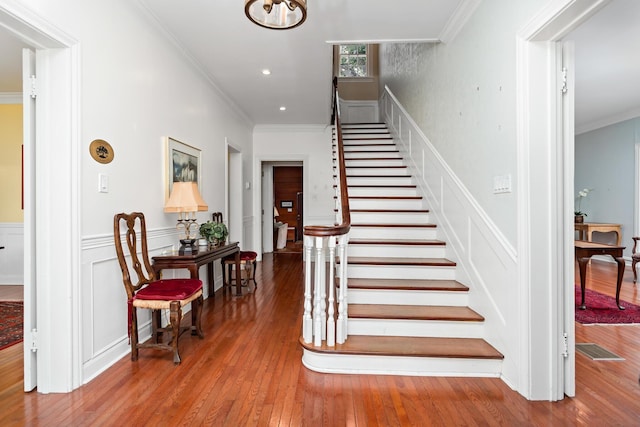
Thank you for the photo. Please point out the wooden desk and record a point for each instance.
(585, 250)
(586, 230)
(193, 261)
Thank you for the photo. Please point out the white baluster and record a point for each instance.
(319, 285)
(307, 321)
(343, 315)
(331, 322)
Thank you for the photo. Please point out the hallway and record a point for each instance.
(248, 371)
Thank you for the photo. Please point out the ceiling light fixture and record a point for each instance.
(266, 71)
(283, 108)
(276, 14)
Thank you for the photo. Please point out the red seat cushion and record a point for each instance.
(169, 290)
(248, 256)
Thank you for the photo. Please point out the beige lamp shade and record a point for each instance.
(185, 197)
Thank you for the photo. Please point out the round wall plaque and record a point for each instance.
(101, 151)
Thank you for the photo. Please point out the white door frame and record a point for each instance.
(233, 211)
(545, 224)
(54, 221)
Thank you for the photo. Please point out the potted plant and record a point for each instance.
(215, 232)
(579, 215)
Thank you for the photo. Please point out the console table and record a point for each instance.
(192, 262)
(585, 250)
(586, 229)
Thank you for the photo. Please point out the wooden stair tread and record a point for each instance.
(428, 262)
(377, 167)
(407, 284)
(372, 151)
(365, 144)
(395, 225)
(390, 210)
(382, 186)
(413, 312)
(372, 158)
(407, 242)
(464, 348)
(387, 197)
(367, 138)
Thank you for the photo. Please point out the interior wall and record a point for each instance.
(360, 88)
(605, 163)
(11, 213)
(462, 95)
(136, 88)
(11, 163)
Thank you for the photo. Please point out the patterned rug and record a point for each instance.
(602, 309)
(11, 315)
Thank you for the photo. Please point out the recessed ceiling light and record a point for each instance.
(266, 71)
(283, 108)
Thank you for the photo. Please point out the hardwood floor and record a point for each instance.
(248, 371)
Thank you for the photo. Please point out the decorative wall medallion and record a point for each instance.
(101, 151)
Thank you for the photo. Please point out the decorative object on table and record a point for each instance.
(151, 292)
(215, 232)
(11, 313)
(185, 199)
(276, 14)
(635, 258)
(579, 215)
(183, 164)
(101, 151)
(602, 309)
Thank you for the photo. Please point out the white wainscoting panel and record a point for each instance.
(359, 111)
(487, 262)
(12, 256)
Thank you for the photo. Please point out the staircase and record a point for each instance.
(407, 314)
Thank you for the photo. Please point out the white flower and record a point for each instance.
(584, 193)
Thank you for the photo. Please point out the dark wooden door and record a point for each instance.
(287, 184)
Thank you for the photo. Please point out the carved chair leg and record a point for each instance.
(175, 316)
(633, 268)
(134, 334)
(255, 264)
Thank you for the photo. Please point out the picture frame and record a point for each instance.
(183, 163)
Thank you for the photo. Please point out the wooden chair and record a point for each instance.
(247, 262)
(635, 258)
(151, 292)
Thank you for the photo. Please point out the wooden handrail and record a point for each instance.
(345, 225)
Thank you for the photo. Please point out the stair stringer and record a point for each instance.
(486, 261)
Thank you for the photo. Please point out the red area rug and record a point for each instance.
(11, 317)
(602, 309)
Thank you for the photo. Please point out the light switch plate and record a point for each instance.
(103, 183)
(502, 184)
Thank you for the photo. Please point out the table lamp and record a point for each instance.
(185, 199)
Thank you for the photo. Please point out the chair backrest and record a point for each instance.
(217, 216)
(130, 261)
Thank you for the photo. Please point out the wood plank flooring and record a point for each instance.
(248, 371)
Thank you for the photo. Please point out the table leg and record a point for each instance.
(238, 275)
(620, 262)
(212, 293)
(582, 264)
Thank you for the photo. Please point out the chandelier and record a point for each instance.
(276, 14)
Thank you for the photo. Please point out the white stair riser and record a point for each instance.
(352, 142)
(391, 180)
(397, 251)
(394, 365)
(400, 272)
(386, 191)
(405, 297)
(389, 218)
(415, 328)
(374, 163)
(385, 203)
(356, 155)
(374, 147)
(363, 232)
(378, 171)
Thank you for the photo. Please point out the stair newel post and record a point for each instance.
(307, 321)
(319, 285)
(342, 332)
(331, 322)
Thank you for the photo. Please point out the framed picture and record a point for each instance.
(183, 164)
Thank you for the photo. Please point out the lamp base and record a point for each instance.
(187, 246)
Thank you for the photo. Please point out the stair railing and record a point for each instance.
(325, 248)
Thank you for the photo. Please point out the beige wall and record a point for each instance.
(360, 89)
(11, 163)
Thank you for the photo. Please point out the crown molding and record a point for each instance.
(608, 121)
(458, 20)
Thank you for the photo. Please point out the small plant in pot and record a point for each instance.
(215, 232)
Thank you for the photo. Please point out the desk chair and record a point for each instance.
(151, 292)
